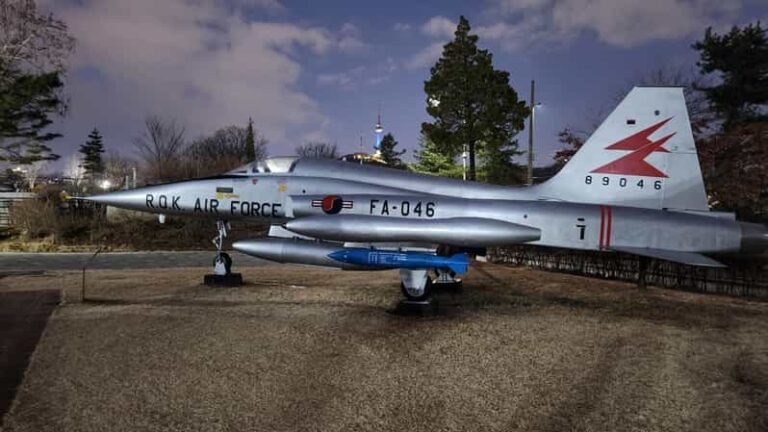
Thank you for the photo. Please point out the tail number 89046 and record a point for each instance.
(622, 182)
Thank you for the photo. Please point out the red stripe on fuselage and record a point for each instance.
(602, 225)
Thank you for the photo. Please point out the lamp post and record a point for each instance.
(531, 125)
(464, 156)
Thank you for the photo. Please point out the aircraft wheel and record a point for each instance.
(414, 295)
(227, 261)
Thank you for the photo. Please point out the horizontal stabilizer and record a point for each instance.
(690, 258)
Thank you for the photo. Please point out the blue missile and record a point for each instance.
(457, 263)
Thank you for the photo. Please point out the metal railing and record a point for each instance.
(743, 278)
(6, 201)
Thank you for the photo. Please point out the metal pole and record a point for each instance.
(530, 134)
(464, 155)
(85, 266)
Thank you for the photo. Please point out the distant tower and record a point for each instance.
(378, 130)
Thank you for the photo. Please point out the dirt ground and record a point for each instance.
(307, 349)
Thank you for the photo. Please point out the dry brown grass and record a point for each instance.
(305, 349)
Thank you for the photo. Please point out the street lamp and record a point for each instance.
(105, 184)
(464, 156)
(531, 125)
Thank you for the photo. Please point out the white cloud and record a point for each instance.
(628, 23)
(349, 39)
(361, 75)
(401, 27)
(623, 23)
(513, 6)
(512, 36)
(426, 57)
(441, 30)
(439, 27)
(347, 80)
(199, 62)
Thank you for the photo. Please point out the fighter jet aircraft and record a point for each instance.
(634, 187)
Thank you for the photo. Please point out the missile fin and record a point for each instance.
(459, 263)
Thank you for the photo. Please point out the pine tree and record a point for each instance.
(27, 102)
(92, 150)
(430, 160)
(388, 153)
(740, 57)
(34, 49)
(472, 103)
(250, 143)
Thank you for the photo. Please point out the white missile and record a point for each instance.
(469, 232)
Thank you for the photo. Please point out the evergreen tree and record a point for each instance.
(33, 50)
(388, 152)
(26, 102)
(472, 104)
(499, 167)
(740, 57)
(92, 164)
(250, 142)
(430, 160)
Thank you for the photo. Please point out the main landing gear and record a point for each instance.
(447, 280)
(418, 286)
(222, 263)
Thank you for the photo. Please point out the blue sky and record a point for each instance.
(318, 70)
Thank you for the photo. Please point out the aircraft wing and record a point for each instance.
(690, 258)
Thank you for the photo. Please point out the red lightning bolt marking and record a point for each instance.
(641, 146)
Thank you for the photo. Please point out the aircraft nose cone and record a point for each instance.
(133, 199)
(239, 246)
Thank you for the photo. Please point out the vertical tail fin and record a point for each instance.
(643, 155)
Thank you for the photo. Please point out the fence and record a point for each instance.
(6, 200)
(742, 277)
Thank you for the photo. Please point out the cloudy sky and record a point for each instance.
(318, 70)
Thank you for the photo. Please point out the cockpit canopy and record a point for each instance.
(275, 165)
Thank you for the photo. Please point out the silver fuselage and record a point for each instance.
(277, 197)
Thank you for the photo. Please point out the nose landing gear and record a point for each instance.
(222, 263)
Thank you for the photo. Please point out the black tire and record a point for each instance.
(227, 261)
(427, 292)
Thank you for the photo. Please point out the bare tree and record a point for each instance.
(33, 171)
(700, 113)
(699, 109)
(117, 168)
(318, 150)
(160, 146)
(74, 171)
(31, 41)
(734, 166)
(226, 149)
